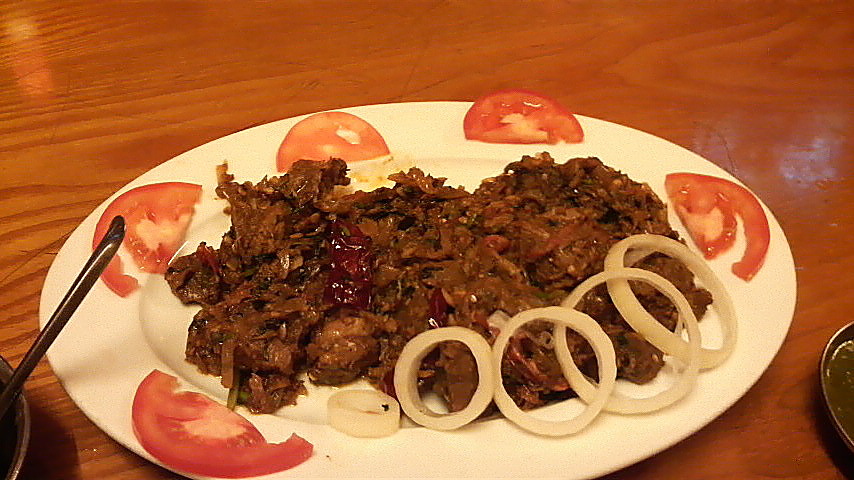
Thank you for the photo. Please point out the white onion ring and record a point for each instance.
(406, 372)
(636, 256)
(605, 356)
(629, 307)
(363, 413)
(620, 403)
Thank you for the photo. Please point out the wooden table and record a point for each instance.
(93, 94)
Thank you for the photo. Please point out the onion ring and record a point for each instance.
(629, 307)
(605, 357)
(363, 413)
(620, 403)
(406, 372)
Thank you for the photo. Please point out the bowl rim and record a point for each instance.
(22, 425)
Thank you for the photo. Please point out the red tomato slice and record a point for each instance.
(708, 206)
(156, 219)
(330, 135)
(192, 433)
(520, 116)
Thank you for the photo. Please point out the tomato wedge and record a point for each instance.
(708, 206)
(156, 219)
(328, 135)
(191, 433)
(520, 116)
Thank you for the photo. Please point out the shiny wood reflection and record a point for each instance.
(92, 94)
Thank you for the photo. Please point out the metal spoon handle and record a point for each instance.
(96, 264)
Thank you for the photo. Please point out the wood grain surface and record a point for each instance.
(93, 94)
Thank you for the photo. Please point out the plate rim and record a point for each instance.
(46, 299)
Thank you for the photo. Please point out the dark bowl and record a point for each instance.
(14, 431)
(841, 336)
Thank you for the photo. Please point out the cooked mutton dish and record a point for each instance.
(314, 281)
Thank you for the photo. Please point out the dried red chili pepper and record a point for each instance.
(438, 310)
(350, 279)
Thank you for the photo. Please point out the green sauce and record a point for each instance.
(839, 382)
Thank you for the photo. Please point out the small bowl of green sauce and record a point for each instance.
(837, 382)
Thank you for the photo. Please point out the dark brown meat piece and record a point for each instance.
(637, 360)
(342, 350)
(195, 278)
(457, 377)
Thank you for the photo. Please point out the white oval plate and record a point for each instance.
(111, 344)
